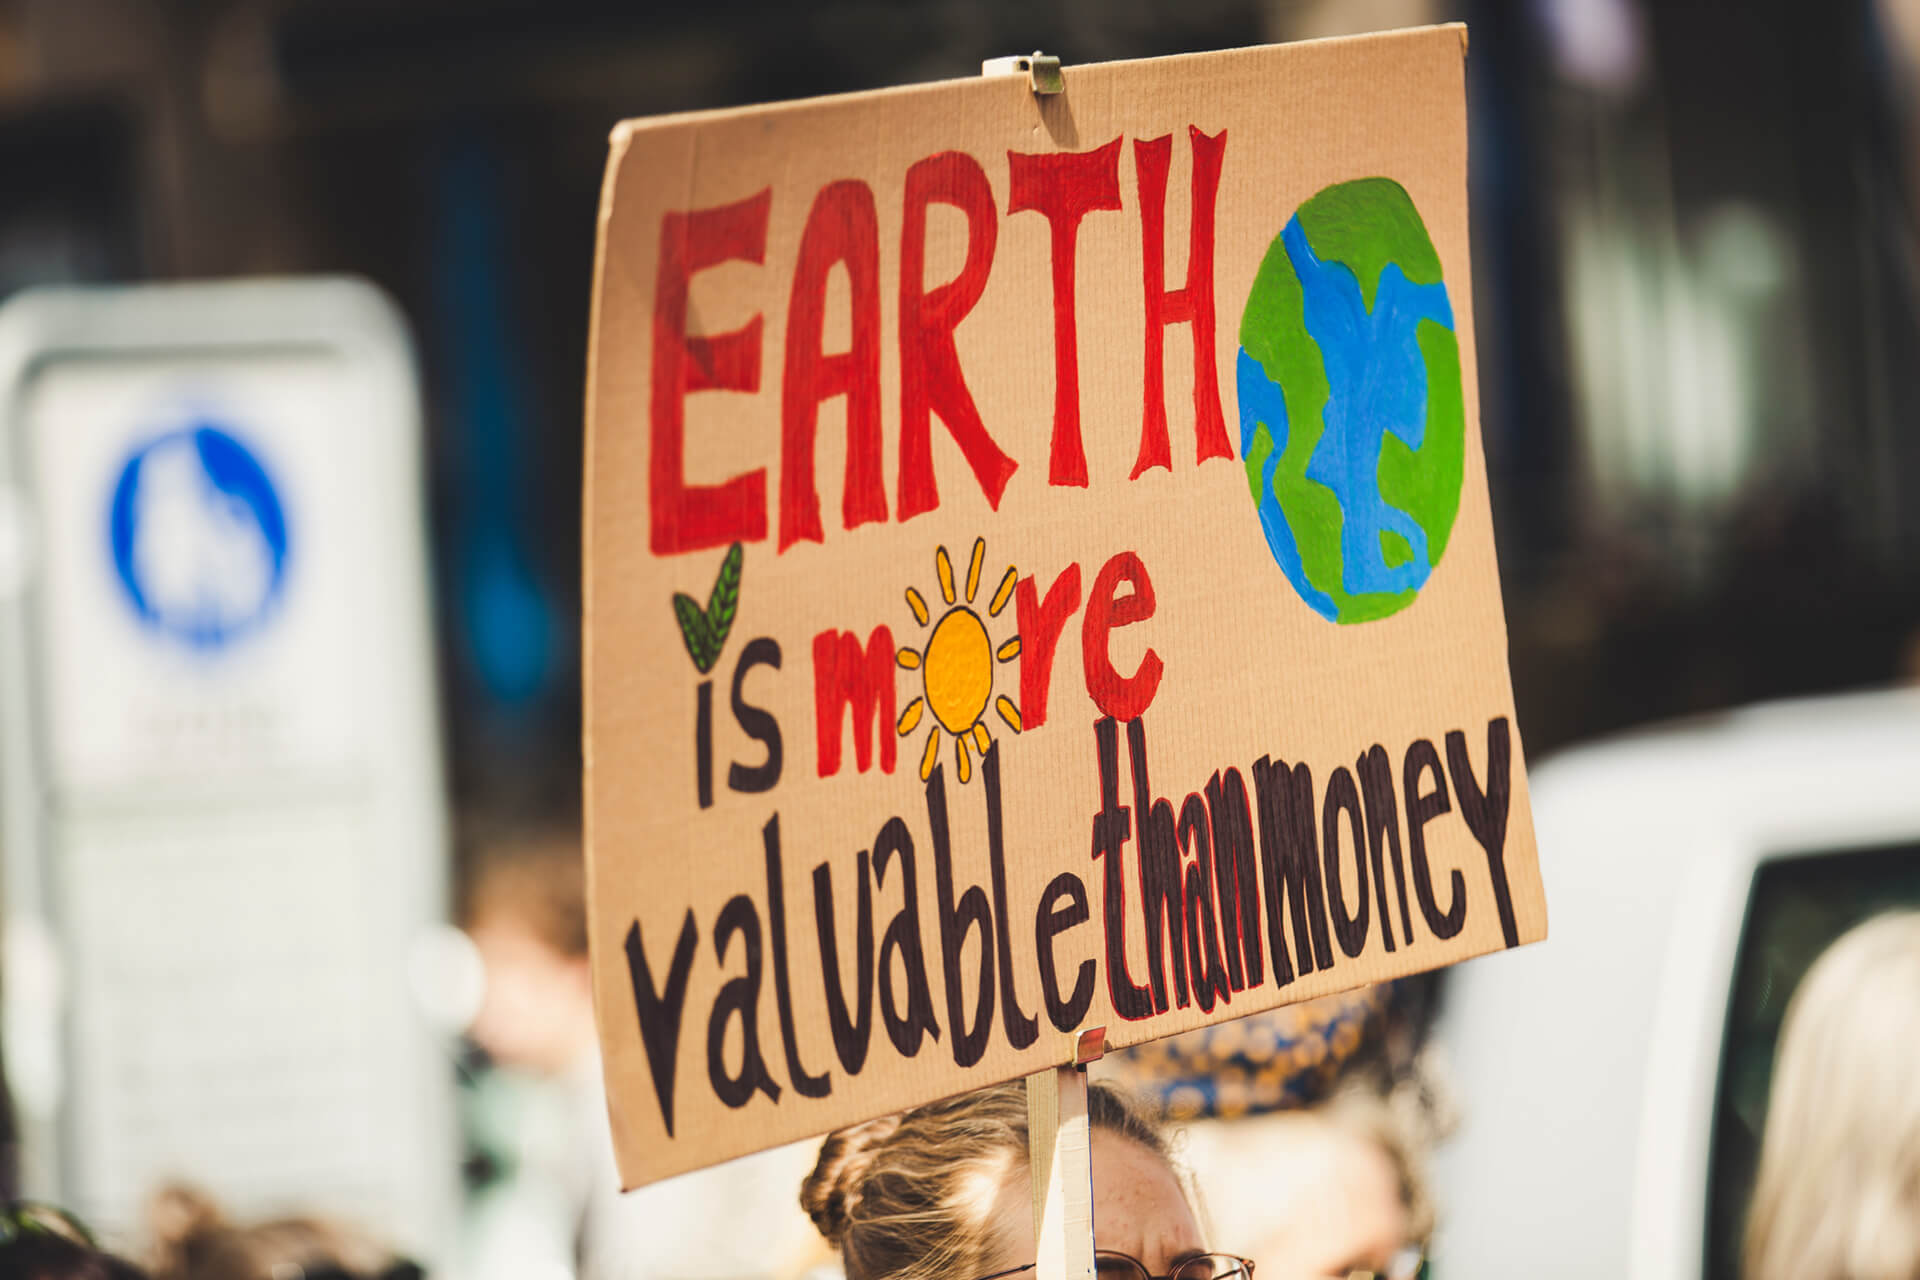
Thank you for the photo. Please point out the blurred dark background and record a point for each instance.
(1694, 284)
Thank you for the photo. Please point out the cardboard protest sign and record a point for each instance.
(1039, 577)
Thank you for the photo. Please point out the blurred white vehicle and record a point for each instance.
(1613, 1080)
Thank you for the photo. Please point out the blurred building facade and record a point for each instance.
(1694, 256)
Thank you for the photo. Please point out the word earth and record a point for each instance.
(842, 230)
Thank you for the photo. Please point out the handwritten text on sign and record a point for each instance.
(925, 836)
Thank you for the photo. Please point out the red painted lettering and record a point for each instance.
(846, 680)
(1192, 305)
(930, 377)
(691, 517)
(1041, 622)
(1122, 697)
(841, 228)
(1065, 188)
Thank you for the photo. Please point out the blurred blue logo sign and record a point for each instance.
(199, 537)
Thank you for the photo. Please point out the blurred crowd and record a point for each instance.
(1323, 1177)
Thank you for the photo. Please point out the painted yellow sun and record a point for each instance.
(956, 666)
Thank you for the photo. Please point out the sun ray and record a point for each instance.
(973, 569)
(930, 754)
(1008, 651)
(966, 761)
(910, 659)
(910, 718)
(981, 738)
(919, 606)
(1003, 592)
(945, 568)
(1008, 712)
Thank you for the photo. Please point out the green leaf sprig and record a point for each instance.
(705, 630)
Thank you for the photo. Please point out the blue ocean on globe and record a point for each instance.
(1351, 420)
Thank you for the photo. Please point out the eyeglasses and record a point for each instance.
(1113, 1265)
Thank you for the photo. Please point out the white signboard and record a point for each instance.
(224, 833)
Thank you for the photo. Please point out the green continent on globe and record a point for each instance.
(1352, 422)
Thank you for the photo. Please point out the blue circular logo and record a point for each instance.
(199, 537)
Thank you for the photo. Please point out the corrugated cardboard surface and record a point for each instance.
(1250, 671)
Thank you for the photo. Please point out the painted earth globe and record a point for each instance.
(1352, 425)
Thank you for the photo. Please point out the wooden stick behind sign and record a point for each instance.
(1061, 1152)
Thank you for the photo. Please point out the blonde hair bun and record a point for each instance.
(909, 1197)
(831, 1193)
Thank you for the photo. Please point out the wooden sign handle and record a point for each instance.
(1060, 1149)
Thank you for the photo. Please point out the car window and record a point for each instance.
(1798, 906)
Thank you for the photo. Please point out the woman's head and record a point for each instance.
(524, 905)
(1341, 1189)
(193, 1241)
(1838, 1192)
(942, 1192)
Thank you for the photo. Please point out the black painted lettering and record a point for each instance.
(755, 722)
(739, 998)
(1486, 810)
(905, 1029)
(703, 745)
(806, 1084)
(660, 1011)
(1203, 934)
(1290, 867)
(1235, 878)
(956, 922)
(1160, 889)
(1344, 797)
(1422, 808)
(1112, 828)
(1021, 1027)
(1049, 923)
(851, 1035)
(1383, 834)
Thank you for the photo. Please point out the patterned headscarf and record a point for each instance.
(1272, 1061)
